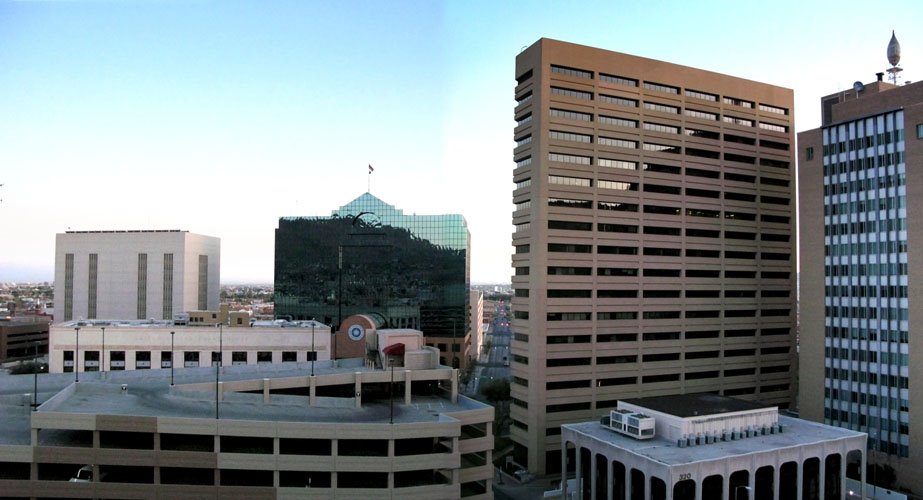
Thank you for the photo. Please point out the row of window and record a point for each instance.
(673, 273)
(671, 356)
(669, 336)
(873, 334)
(886, 380)
(567, 114)
(587, 383)
(863, 355)
(653, 127)
(866, 165)
(190, 359)
(653, 379)
(603, 293)
(870, 227)
(885, 313)
(691, 314)
(661, 87)
(566, 180)
(662, 148)
(850, 270)
(884, 291)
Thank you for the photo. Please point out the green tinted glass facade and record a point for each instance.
(368, 257)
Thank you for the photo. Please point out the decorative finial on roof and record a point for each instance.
(894, 50)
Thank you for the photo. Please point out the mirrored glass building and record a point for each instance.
(368, 257)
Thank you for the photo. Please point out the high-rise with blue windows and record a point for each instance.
(861, 235)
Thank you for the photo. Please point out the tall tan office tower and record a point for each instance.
(653, 238)
(861, 203)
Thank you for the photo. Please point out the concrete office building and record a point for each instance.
(653, 238)
(706, 447)
(152, 345)
(147, 274)
(349, 431)
(861, 211)
(23, 337)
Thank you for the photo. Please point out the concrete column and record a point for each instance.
(455, 385)
(647, 487)
(776, 485)
(408, 377)
(610, 487)
(578, 469)
(220, 391)
(862, 475)
(312, 384)
(628, 482)
(265, 391)
(821, 473)
(752, 483)
(798, 480)
(358, 390)
(563, 468)
(843, 456)
(592, 475)
(34, 437)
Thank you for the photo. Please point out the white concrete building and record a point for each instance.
(135, 274)
(476, 329)
(710, 447)
(141, 345)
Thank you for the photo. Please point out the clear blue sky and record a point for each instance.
(221, 116)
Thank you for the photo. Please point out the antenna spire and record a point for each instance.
(894, 58)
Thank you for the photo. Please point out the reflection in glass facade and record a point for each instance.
(368, 257)
(866, 344)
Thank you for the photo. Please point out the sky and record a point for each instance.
(220, 116)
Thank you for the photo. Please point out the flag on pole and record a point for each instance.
(371, 169)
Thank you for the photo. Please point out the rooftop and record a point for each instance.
(695, 405)
(796, 432)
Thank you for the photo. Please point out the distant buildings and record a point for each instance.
(147, 274)
(260, 432)
(369, 258)
(23, 337)
(711, 448)
(861, 210)
(653, 238)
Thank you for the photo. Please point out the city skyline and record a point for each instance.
(170, 115)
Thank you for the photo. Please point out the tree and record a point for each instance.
(496, 391)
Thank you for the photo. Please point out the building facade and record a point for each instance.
(368, 257)
(135, 274)
(706, 447)
(91, 346)
(862, 270)
(653, 238)
(23, 337)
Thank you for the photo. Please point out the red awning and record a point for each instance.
(394, 349)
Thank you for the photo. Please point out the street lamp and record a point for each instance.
(313, 352)
(102, 361)
(172, 361)
(35, 378)
(218, 365)
(77, 356)
(454, 355)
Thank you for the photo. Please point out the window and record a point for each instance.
(665, 169)
(524, 183)
(618, 80)
(566, 136)
(704, 115)
(289, 356)
(570, 225)
(920, 131)
(669, 89)
(524, 119)
(621, 101)
(576, 159)
(524, 162)
(773, 109)
(238, 358)
(570, 181)
(662, 148)
(564, 70)
(618, 143)
(577, 94)
(773, 127)
(263, 357)
(738, 102)
(657, 127)
(627, 165)
(567, 203)
(617, 185)
(523, 205)
(143, 360)
(737, 121)
(703, 134)
(618, 206)
(569, 115)
(618, 122)
(569, 248)
(701, 95)
(166, 359)
(662, 108)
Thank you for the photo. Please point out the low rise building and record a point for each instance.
(23, 337)
(710, 447)
(105, 345)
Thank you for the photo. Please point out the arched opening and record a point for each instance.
(658, 489)
(854, 465)
(602, 478)
(586, 473)
(832, 479)
(618, 480)
(764, 483)
(739, 485)
(637, 485)
(788, 480)
(810, 483)
(684, 490)
(712, 487)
